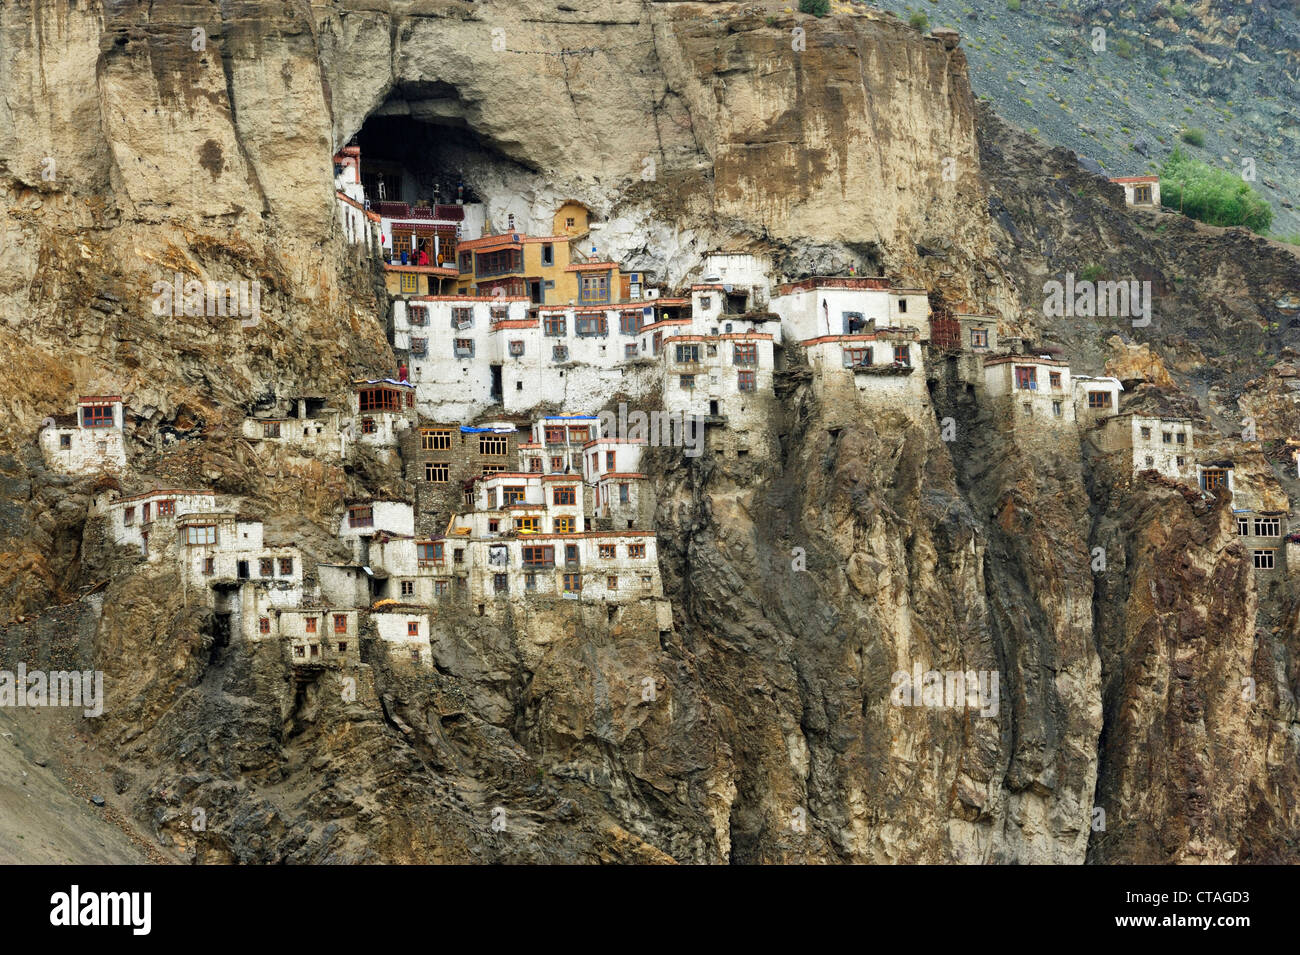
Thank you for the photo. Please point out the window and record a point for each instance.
(1267, 527)
(902, 356)
(979, 338)
(560, 353)
(1056, 409)
(593, 287)
(608, 551)
(746, 380)
(494, 526)
(209, 566)
(568, 223)
(857, 356)
(1141, 194)
(539, 556)
(271, 429)
(361, 516)
(706, 301)
(461, 319)
(466, 261)
(437, 473)
(1026, 378)
(534, 465)
(1098, 399)
(340, 623)
(530, 580)
(611, 582)
(379, 399)
(201, 534)
(512, 495)
(440, 588)
(553, 326)
(97, 416)
(564, 525)
(688, 354)
(409, 284)
(902, 305)
(548, 253)
(500, 584)
(415, 656)
(557, 464)
(1180, 460)
(408, 588)
(1054, 381)
(710, 351)
(458, 556)
(687, 382)
(565, 495)
(516, 348)
(144, 514)
(629, 323)
(435, 439)
(1214, 478)
(491, 469)
(310, 624)
(430, 552)
(368, 426)
(591, 327)
(492, 444)
(299, 651)
(1166, 437)
(555, 436)
(1150, 461)
(412, 628)
(1243, 526)
(419, 347)
(1146, 434)
(526, 525)
(266, 567)
(629, 351)
(128, 516)
(419, 315)
(636, 551)
(1264, 559)
(572, 583)
(463, 347)
(498, 313)
(645, 582)
(264, 625)
(65, 442)
(624, 492)
(343, 647)
(745, 354)
(1180, 438)
(579, 434)
(166, 508)
(610, 458)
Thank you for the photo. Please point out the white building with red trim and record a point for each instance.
(88, 441)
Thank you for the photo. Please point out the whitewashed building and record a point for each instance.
(89, 441)
(823, 306)
(1030, 390)
(1095, 399)
(1153, 443)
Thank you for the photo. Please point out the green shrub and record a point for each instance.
(919, 21)
(1123, 49)
(1091, 273)
(818, 8)
(1193, 137)
(1211, 195)
(1179, 11)
(1013, 6)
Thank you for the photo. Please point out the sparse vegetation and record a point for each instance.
(1123, 49)
(1193, 137)
(1179, 11)
(818, 8)
(918, 21)
(1013, 6)
(1091, 273)
(1214, 196)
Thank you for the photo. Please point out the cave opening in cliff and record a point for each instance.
(420, 149)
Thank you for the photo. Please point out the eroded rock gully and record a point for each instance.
(760, 726)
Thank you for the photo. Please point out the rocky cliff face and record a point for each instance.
(763, 725)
